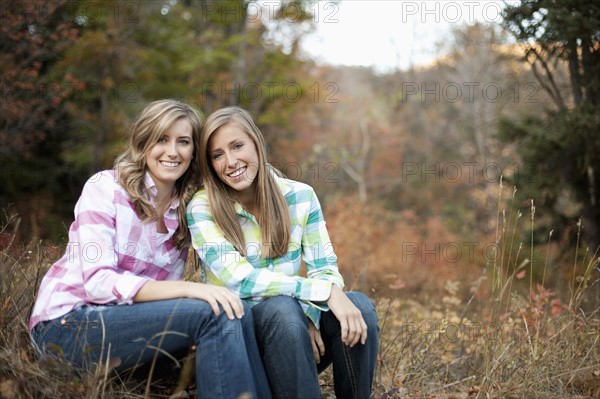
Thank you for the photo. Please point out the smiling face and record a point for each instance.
(170, 157)
(234, 159)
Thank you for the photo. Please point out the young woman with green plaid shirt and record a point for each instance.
(252, 229)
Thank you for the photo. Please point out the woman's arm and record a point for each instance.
(354, 328)
(93, 244)
(352, 324)
(321, 263)
(234, 271)
(214, 295)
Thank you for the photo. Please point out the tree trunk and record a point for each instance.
(590, 71)
(574, 73)
(103, 127)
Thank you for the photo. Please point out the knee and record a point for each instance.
(247, 320)
(228, 330)
(281, 326)
(200, 308)
(279, 313)
(199, 314)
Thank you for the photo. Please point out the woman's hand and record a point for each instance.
(354, 328)
(216, 295)
(317, 342)
(213, 294)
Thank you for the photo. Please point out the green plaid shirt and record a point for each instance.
(255, 277)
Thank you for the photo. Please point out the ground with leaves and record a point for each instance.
(501, 345)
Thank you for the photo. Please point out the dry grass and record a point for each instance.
(510, 338)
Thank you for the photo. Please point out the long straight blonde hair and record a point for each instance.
(130, 167)
(274, 216)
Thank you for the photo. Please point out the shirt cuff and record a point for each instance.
(313, 290)
(126, 288)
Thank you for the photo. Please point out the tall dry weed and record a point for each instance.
(524, 340)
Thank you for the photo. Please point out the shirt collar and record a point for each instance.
(285, 185)
(152, 191)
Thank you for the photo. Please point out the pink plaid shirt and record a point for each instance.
(110, 254)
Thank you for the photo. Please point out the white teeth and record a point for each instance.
(169, 164)
(237, 172)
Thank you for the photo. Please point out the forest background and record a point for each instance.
(466, 185)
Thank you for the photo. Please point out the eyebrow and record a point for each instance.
(166, 133)
(227, 144)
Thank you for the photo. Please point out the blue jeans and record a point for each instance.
(286, 349)
(227, 359)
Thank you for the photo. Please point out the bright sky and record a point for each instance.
(389, 34)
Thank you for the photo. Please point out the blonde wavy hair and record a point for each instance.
(130, 167)
(274, 217)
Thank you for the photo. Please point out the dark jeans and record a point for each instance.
(227, 359)
(286, 349)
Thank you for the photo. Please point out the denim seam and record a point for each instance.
(348, 362)
(214, 330)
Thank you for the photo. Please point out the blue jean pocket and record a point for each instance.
(46, 337)
(67, 335)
